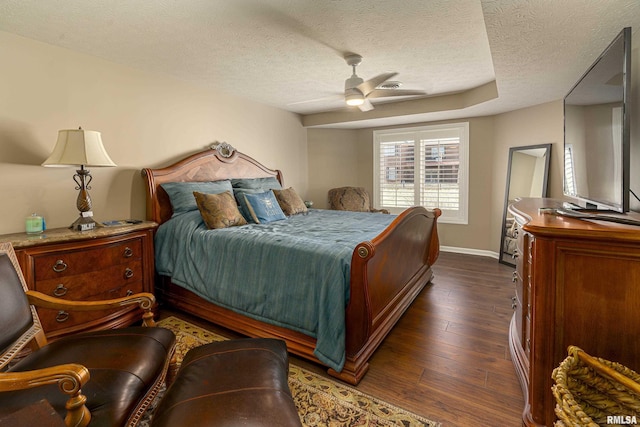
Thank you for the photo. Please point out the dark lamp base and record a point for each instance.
(84, 223)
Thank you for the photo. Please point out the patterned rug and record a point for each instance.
(320, 401)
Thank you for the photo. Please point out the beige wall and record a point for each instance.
(333, 162)
(146, 120)
(541, 124)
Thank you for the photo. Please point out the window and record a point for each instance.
(424, 166)
(569, 177)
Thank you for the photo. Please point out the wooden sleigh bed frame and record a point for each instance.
(387, 273)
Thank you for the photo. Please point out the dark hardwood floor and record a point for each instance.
(448, 357)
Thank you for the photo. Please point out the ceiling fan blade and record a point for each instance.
(369, 86)
(366, 106)
(382, 93)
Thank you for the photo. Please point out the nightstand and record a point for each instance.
(104, 263)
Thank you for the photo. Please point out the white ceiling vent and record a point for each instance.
(390, 85)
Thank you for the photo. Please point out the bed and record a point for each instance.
(384, 271)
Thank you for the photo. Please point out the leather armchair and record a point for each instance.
(101, 378)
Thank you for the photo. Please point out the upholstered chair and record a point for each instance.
(351, 199)
(102, 378)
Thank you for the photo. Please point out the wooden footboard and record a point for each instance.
(387, 273)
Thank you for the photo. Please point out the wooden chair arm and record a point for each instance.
(69, 377)
(145, 300)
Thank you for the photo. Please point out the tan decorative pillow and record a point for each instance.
(219, 210)
(290, 202)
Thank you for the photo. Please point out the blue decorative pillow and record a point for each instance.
(252, 186)
(181, 193)
(263, 207)
(264, 184)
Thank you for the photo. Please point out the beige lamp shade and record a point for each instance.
(79, 147)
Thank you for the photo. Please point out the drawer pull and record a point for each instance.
(60, 290)
(514, 277)
(129, 292)
(60, 266)
(62, 316)
(128, 273)
(128, 252)
(514, 303)
(516, 254)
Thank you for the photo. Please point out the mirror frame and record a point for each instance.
(545, 188)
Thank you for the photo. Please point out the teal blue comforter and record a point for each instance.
(293, 273)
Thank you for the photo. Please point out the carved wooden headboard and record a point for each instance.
(220, 161)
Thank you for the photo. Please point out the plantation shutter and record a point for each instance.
(440, 172)
(424, 166)
(397, 172)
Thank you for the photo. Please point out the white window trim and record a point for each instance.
(461, 129)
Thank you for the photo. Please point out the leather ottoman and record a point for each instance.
(231, 383)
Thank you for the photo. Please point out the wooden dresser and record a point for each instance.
(104, 263)
(577, 283)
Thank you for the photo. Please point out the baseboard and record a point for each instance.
(468, 251)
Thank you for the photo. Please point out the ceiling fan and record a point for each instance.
(357, 91)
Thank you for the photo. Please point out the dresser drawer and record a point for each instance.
(73, 262)
(88, 285)
(58, 319)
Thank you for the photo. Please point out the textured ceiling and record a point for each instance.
(289, 53)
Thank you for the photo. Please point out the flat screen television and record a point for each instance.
(596, 131)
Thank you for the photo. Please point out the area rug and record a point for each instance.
(320, 401)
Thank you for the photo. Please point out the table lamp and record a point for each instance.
(79, 147)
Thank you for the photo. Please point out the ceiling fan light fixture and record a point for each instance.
(353, 97)
(355, 100)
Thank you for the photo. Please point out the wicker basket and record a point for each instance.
(595, 392)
